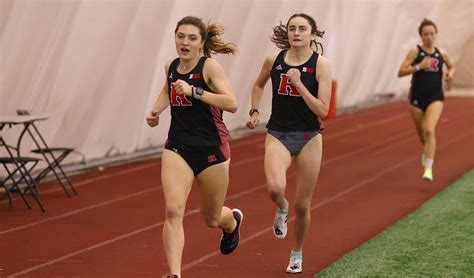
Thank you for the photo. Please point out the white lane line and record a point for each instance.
(203, 258)
(79, 210)
(320, 204)
(187, 266)
(325, 162)
(236, 145)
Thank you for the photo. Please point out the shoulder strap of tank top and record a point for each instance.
(200, 64)
(280, 57)
(440, 55)
(173, 65)
(315, 56)
(419, 49)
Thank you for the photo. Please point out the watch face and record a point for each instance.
(199, 91)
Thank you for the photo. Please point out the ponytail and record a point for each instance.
(214, 44)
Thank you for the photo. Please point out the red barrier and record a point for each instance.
(332, 103)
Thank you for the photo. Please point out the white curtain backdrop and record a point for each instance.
(96, 66)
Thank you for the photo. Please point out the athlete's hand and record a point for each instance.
(254, 120)
(153, 119)
(425, 63)
(449, 80)
(182, 88)
(448, 77)
(294, 75)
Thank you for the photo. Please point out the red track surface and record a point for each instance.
(371, 176)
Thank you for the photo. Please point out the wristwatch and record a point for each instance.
(198, 92)
(253, 110)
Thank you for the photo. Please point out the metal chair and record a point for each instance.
(18, 172)
(53, 156)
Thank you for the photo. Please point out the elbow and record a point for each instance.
(323, 113)
(400, 72)
(232, 107)
(257, 88)
(403, 72)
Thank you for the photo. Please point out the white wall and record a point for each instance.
(96, 66)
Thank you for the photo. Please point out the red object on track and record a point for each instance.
(332, 104)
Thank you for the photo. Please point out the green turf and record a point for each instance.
(437, 240)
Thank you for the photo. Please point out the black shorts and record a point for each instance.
(424, 102)
(201, 158)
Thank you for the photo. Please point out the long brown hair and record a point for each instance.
(280, 32)
(426, 22)
(210, 34)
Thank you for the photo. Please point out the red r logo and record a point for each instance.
(286, 88)
(434, 64)
(179, 99)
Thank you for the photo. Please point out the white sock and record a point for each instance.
(298, 255)
(429, 163)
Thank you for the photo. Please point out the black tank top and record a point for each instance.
(194, 123)
(428, 81)
(289, 111)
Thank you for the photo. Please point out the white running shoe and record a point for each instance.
(280, 225)
(296, 263)
(428, 174)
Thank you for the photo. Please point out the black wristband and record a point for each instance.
(253, 110)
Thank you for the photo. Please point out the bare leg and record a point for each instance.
(213, 183)
(430, 120)
(176, 190)
(417, 116)
(308, 163)
(277, 162)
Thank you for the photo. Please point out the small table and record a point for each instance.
(53, 162)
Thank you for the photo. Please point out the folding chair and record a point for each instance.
(20, 173)
(52, 155)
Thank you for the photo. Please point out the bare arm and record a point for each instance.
(449, 64)
(319, 105)
(162, 101)
(407, 68)
(258, 86)
(224, 96)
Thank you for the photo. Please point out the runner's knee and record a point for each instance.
(174, 212)
(211, 221)
(302, 208)
(275, 189)
(429, 131)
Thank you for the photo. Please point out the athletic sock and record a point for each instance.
(429, 163)
(298, 255)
